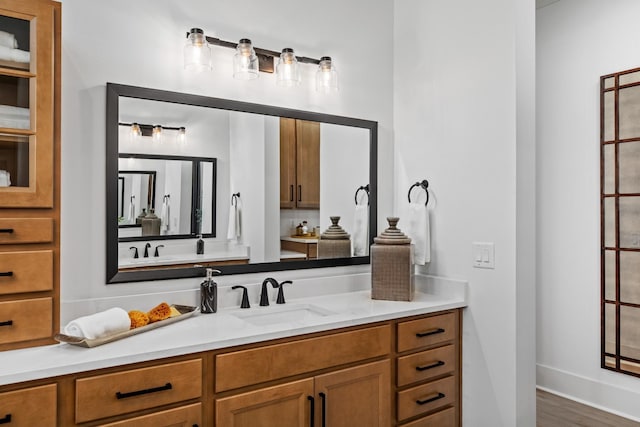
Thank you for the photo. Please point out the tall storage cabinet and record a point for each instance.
(299, 164)
(29, 172)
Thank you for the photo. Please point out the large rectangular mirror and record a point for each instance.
(257, 186)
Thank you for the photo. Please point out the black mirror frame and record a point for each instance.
(114, 91)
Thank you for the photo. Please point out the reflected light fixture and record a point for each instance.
(197, 53)
(136, 132)
(156, 134)
(245, 61)
(287, 72)
(326, 76)
(182, 135)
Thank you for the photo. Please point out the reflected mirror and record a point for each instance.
(256, 184)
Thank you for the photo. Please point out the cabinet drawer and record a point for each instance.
(425, 398)
(253, 366)
(186, 416)
(427, 364)
(30, 407)
(428, 331)
(26, 271)
(26, 230)
(25, 320)
(127, 391)
(445, 418)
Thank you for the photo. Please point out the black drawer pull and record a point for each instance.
(428, 333)
(6, 273)
(6, 230)
(6, 419)
(433, 365)
(431, 399)
(6, 323)
(299, 193)
(291, 193)
(167, 386)
(312, 410)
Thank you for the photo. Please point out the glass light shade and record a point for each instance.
(182, 135)
(287, 72)
(136, 132)
(197, 53)
(245, 61)
(156, 133)
(326, 76)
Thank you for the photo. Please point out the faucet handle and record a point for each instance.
(245, 296)
(135, 253)
(280, 299)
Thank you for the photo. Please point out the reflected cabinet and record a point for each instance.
(620, 225)
(29, 172)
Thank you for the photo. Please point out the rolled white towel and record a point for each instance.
(102, 324)
(8, 40)
(16, 55)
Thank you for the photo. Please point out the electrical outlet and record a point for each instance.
(483, 254)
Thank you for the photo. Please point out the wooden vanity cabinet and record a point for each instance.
(28, 407)
(299, 164)
(30, 175)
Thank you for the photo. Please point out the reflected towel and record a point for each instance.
(165, 215)
(131, 218)
(234, 231)
(5, 178)
(102, 324)
(361, 230)
(417, 227)
(8, 40)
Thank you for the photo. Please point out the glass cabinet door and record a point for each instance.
(26, 105)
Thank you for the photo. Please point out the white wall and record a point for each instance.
(140, 43)
(577, 42)
(460, 97)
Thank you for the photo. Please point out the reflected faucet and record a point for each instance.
(156, 253)
(146, 250)
(135, 253)
(264, 295)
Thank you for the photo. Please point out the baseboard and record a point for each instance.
(606, 397)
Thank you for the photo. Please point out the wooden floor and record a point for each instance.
(555, 411)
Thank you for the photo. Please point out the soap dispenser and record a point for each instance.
(209, 293)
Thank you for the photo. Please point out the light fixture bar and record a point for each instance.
(142, 125)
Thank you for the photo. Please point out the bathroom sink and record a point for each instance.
(294, 313)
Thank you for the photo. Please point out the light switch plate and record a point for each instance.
(483, 254)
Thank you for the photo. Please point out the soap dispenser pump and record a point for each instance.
(209, 293)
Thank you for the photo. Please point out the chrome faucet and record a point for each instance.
(264, 295)
(146, 250)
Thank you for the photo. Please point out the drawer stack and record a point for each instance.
(428, 372)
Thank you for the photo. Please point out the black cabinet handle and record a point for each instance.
(291, 193)
(6, 323)
(312, 407)
(6, 419)
(299, 193)
(323, 397)
(428, 333)
(6, 230)
(433, 365)
(6, 273)
(431, 399)
(119, 395)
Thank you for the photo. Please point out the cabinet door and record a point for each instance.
(27, 105)
(308, 164)
(355, 397)
(287, 163)
(283, 405)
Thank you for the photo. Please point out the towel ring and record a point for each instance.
(366, 190)
(234, 198)
(424, 185)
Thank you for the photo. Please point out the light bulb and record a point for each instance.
(287, 73)
(156, 133)
(326, 76)
(245, 61)
(136, 132)
(182, 135)
(197, 53)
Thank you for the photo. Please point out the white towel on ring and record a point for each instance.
(165, 215)
(417, 227)
(98, 325)
(234, 231)
(361, 230)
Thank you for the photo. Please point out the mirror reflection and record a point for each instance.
(275, 179)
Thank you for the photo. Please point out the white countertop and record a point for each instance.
(204, 332)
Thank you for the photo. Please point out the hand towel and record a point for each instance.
(417, 227)
(361, 230)
(5, 178)
(131, 218)
(102, 324)
(165, 215)
(234, 231)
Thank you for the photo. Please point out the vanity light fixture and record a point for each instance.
(248, 60)
(287, 71)
(197, 53)
(326, 76)
(156, 133)
(245, 61)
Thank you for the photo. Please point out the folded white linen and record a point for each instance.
(5, 178)
(8, 40)
(15, 123)
(417, 227)
(102, 324)
(16, 55)
(361, 230)
(12, 111)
